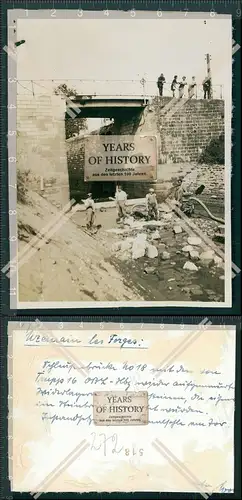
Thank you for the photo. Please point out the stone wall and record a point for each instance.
(41, 146)
(187, 127)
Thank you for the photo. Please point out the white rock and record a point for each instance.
(218, 261)
(188, 248)
(177, 229)
(207, 255)
(194, 254)
(190, 266)
(194, 240)
(129, 221)
(168, 216)
(155, 235)
(139, 246)
(151, 251)
(124, 255)
(165, 255)
(116, 246)
(164, 208)
(157, 223)
(125, 245)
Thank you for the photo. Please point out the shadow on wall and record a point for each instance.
(214, 151)
(124, 124)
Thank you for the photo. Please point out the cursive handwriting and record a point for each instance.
(223, 488)
(114, 339)
(100, 441)
(176, 399)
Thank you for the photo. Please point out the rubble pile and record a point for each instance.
(168, 239)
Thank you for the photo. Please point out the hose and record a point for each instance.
(217, 219)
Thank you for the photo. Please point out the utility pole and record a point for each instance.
(209, 74)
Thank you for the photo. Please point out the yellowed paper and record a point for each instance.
(186, 446)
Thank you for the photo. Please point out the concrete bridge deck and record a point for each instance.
(105, 107)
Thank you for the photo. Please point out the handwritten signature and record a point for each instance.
(223, 489)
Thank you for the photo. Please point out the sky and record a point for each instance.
(115, 50)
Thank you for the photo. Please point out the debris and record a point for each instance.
(149, 270)
(194, 240)
(117, 231)
(190, 266)
(221, 277)
(218, 261)
(129, 221)
(124, 255)
(168, 216)
(207, 256)
(165, 255)
(194, 254)
(155, 235)
(116, 246)
(152, 251)
(177, 229)
(139, 246)
(196, 290)
(125, 245)
(188, 248)
(152, 223)
(164, 208)
(219, 237)
(171, 279)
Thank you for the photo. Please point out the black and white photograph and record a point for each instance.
(123, 159)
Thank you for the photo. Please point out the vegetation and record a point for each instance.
(73, 125)
(214, 152)
(22, 185)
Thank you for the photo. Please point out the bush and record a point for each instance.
(22, 185)
(214, 152)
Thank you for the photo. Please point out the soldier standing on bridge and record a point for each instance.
(207, 88)
(182, 85)
(160, 84)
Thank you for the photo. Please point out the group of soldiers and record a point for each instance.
(178, 87)
(181, 197)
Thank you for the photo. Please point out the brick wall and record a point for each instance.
(41, 146)
(187, 128)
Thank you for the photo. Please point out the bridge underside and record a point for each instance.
(105, 108)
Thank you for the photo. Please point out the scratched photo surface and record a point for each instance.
(123, 159)
(188, 375)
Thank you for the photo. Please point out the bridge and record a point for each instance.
(104, 107)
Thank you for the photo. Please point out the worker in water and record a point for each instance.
(121, 199)
(90, 211)
(179, 190)
(152, 205)
(182, 197)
